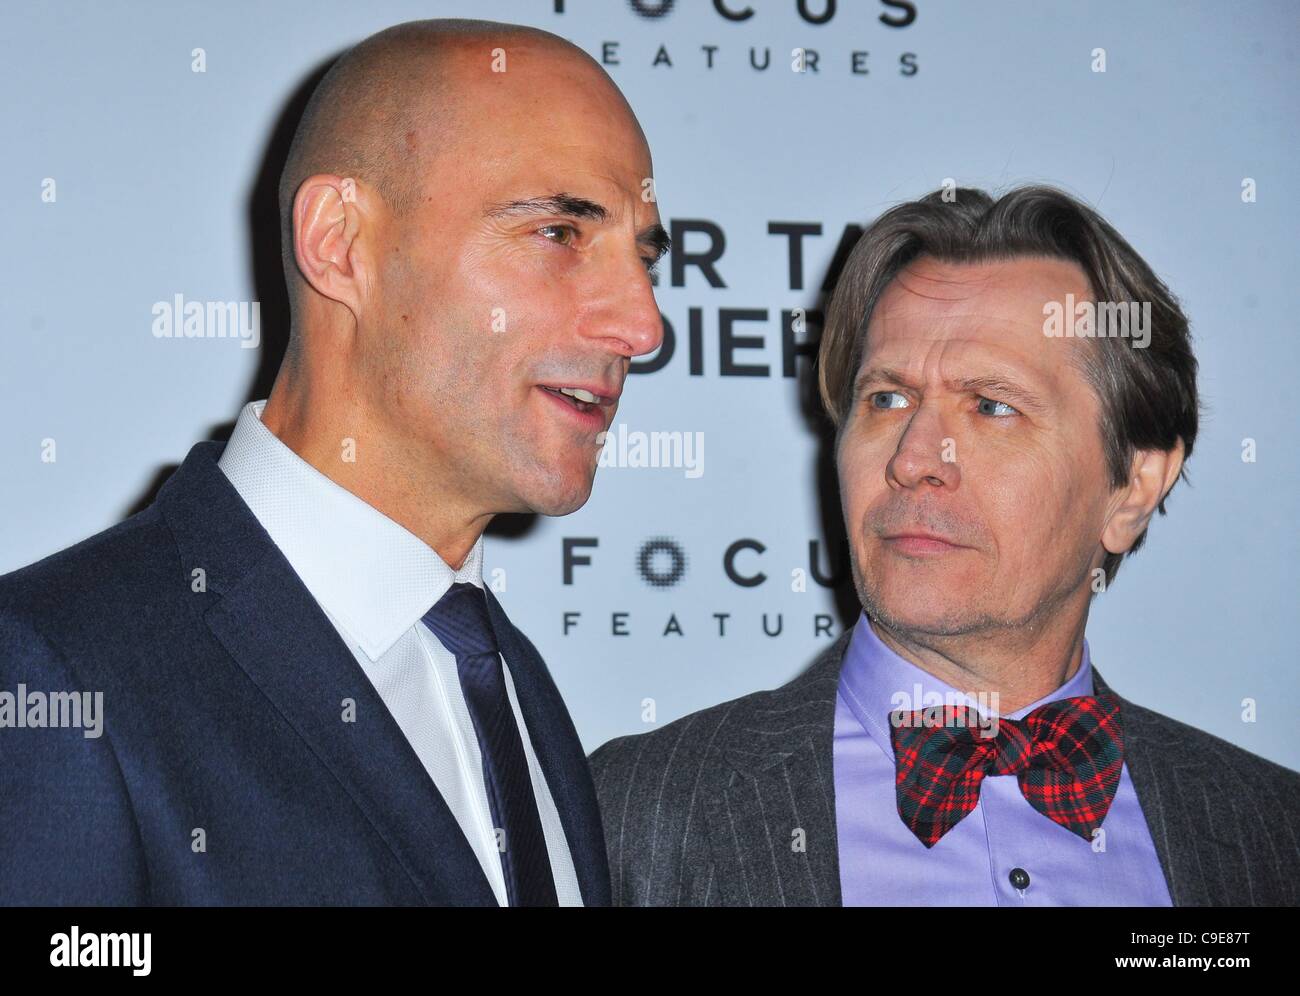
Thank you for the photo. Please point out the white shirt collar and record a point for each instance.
(374, 576)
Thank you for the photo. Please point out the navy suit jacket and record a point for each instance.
(226, 773)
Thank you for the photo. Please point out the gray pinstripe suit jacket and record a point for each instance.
(701, 811)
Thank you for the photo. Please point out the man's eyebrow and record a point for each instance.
(1002, 387)
(566, 204)
(654, 236)
(877, 375)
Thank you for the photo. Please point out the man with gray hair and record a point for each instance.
(310, 695)
(1000, 451)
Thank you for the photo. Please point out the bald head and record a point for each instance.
(396, 97)
(470, 224)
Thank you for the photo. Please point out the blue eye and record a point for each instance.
(1008, 409)
(875, 402)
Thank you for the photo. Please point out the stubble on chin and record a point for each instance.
(913, 613)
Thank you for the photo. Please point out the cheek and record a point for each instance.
(1020, 492)
(860, 475)
(510, 318)
(1039, 510)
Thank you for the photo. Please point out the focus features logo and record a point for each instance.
(859, 21)
(662, 562)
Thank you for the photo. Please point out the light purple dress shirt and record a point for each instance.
(882, 863)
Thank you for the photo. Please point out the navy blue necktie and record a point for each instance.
(460, 620)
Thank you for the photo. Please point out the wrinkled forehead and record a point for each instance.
(964, 314)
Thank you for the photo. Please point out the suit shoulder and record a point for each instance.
(1175, 742)
(656, 789)
(697, 739)
(687, 737)
(650, 788)
(88, 564)
(110, 578)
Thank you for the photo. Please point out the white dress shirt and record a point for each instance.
(375, 580)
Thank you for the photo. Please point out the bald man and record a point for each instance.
(285, 681)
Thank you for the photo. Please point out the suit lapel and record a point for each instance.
(268, 622)
(771, 822)
(559, 752)
(1171, 786)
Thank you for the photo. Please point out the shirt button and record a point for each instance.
(1019, 878)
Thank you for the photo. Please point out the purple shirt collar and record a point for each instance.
(873, 676)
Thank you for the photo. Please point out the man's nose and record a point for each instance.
(926, 453)
(629, 317)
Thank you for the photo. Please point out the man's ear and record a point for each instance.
(329, 212)
(1153, 474)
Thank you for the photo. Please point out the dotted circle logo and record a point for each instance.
(661, 562)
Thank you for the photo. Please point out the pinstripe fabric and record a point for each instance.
(735, 805)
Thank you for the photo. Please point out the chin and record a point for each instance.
(565, 506)
(561, 495)
(913, 604)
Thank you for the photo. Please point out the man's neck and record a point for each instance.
(360, 459)
(1020, 665)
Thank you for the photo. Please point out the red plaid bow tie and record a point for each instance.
(1066, 756)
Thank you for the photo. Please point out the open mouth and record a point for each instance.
(583, 401)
